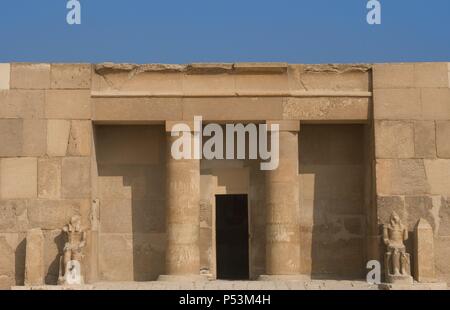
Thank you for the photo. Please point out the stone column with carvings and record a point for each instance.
(282, 206)
(182, 213)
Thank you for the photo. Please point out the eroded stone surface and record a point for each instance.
(424, 265)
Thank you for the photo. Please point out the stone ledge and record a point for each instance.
(175, 94)
(260, 67)
(194, 68)
(416, 286)
(53, 288)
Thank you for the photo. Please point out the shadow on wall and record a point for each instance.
(20, 262)
(53, 270)
(131, 167)
(331, 164)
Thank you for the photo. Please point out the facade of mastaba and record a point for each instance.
(356, 142)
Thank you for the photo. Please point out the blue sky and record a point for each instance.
(183, 31)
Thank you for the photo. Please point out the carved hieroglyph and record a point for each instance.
(396, 260)
(71, 261)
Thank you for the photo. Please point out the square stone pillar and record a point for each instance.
(282, 207)
(424, 267)
(182, 212)
(34, 258)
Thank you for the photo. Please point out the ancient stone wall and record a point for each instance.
(332, 199)
(412, 143)
(361, 156)
(131, 174)
(45, 159)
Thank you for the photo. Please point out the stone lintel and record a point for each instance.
(189, 124)
(108, 67)
(209, 68)
(260, 67)
(284, 125)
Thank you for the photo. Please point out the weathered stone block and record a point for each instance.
(425, 207)
(13, 215)
(208, 84)
(138, 257)
(438, 174)
(333, 77)
(7, 262)
(116, 257)
(76, 177)
(394, 139)
(80, 139)
(442, 253)
(431, 74)
(425, 139)
(34, 264)
(141, 79)
(326, 108)
(137, 109)
(53, 214)
(246, 83)
(117, 215)
(11, 137)
(443, 138)
(397, 103)
(30, 76)
(113, 187)
(393, 75)
(34, 137)
(18, 178)
(424, 265)
(436, 103)
(57, 137)
(22, 104)
(388, 204)
(402, 176)
(233, 108)
(5, 71)
(128, 216)
(49, 178)
(71, 76)
(444, 216)
(68, 104)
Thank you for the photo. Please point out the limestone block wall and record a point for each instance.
(332, 200)
(412, 143)
(53, 163)
(131, 173)
(45, 150)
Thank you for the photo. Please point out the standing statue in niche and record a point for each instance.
(70, 264)
(397, 261)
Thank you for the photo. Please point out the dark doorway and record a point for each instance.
(232, 237)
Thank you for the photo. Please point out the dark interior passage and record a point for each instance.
(232, 237)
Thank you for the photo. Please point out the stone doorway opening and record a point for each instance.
(232, 237)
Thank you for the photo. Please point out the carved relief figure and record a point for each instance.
(70, 265)
(397, 261)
